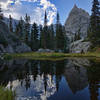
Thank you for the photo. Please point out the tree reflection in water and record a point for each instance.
(49, 73)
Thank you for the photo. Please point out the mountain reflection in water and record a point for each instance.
(72, 79)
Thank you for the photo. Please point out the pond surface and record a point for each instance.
(70, 79)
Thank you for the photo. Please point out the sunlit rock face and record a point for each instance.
(76, 74)
(80, 46)
(28, 89)
(77, 23)
(78, 19)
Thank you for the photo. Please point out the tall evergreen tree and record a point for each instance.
(57, 31)
(10, 24)
(27, 28)
(45, 19)
(94, 28)
(34, 37)
(51, 37)
(40, 32)
(45, 35)
(60, 37)
(77, 35)
(58, 19)
(20, 29)
(1, 13)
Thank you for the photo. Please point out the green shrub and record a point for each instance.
(3, 40)
(6, 94)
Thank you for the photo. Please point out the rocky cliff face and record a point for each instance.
(77, 23)
(9, 42)
(78, 19)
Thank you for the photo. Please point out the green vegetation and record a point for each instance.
(35, 55)
(34, 37)
(60, 35)
(94, 28)
(6, 94)
(40, 36)
(10, 24)
(3, 40)
(1, 14)
(49, 56)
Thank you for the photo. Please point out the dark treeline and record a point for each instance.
(1, 13)
(53, 36)
(40, 36)
(94, 27)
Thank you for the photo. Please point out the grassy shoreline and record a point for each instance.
(6, 94)
(48, 56)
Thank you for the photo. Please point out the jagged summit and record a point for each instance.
(78, 11)
(77, 24)
(75, 6)
(78, 18)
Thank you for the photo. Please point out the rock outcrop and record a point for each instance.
(45, 50)
(10, 43)
(80, 46)
(78, 19)
(77, 24)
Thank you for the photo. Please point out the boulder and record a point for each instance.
(22, 48)
(80, 46)
(45, 50)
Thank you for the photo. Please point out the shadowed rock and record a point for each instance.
(9, 42)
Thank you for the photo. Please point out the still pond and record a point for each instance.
(70, 79)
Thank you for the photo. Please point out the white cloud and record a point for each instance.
(35, 8)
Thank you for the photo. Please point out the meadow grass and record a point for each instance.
(50, 56)
(6, 94)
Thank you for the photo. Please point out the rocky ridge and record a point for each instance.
(78, 19)
(77, 23)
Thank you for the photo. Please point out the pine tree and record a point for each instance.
(40, 31)
(27, 28)
(34, 37)
(21, 28)
(75, 37)
(45, 19)
(45, 35)
(94, 28)
(19, 31)
(60, 35)
(57, 31)
(10, 24)
(1, 13)
(52, 37)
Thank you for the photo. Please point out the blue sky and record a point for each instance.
(65, 6)
(36, 8)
